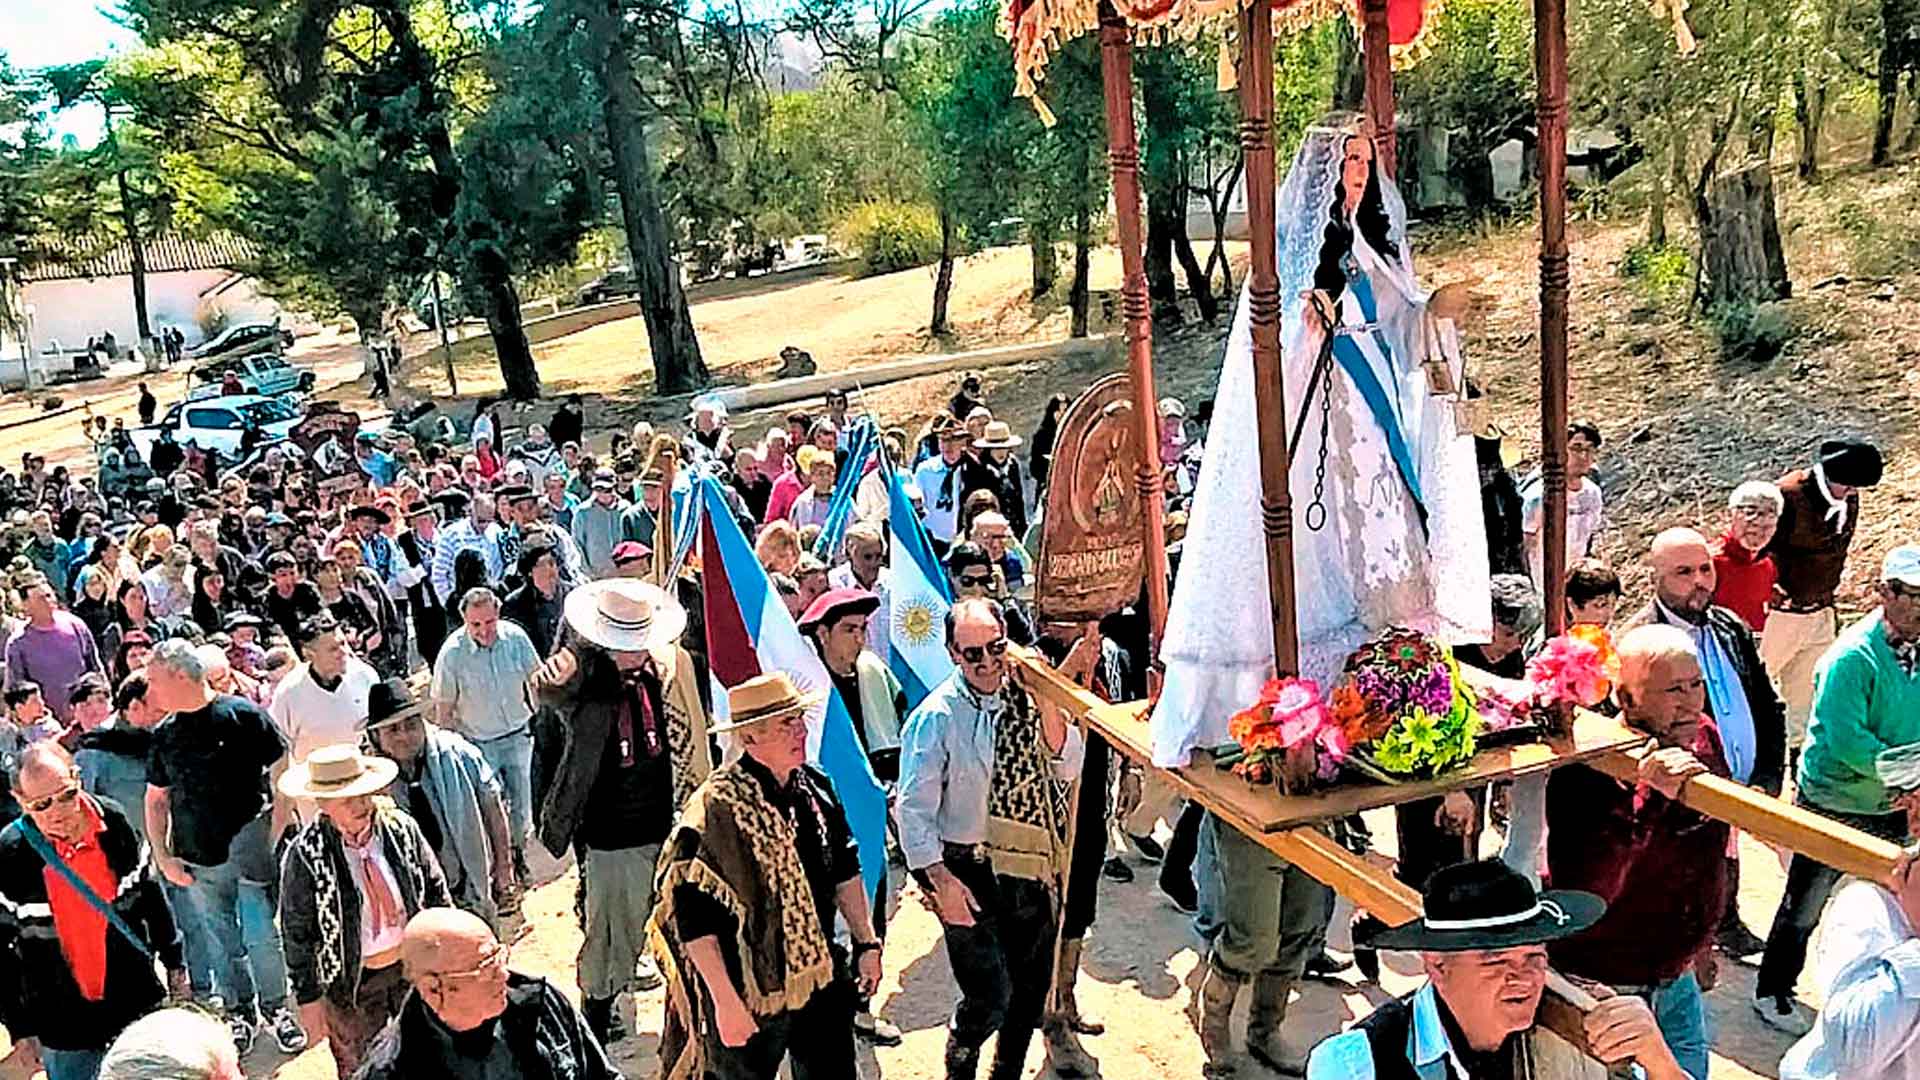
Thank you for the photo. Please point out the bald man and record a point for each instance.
(1740, 697)
(71, 979)
(471, 1017)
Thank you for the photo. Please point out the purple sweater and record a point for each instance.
(53, 657)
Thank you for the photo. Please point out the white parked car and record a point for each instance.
(218, 423)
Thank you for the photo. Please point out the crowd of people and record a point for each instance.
(277, 759)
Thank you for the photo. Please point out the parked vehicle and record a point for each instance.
(266, 374)
(612, 285)
(243, 339)
(220, 423)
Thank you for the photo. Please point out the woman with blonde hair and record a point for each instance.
(778, 547)
(150, 545)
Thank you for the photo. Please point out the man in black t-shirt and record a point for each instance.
(288, 600)
(208, 820)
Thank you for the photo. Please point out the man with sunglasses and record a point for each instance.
(1866, 700)
(469, 1016)
(71, 977)
(984, 836)
(971, 572)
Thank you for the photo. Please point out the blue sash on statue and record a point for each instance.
(1380, 403)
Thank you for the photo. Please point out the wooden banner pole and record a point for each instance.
(1123, 154)
(1377, 50)
(1550, 64)
(1263, 292)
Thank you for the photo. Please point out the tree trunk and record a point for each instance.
(1079, 293)
(1220, 205)
(1809, 111)
(1046, 261)
(943, 278)
(1741, 257)
(678, 367)
(1892, 52)
(1912, 140)
(130, 221)
(1162, 291)
(1198, 283)
(1349, 72)
(1657, 206)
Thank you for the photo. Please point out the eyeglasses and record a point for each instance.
(976, 581)
(491, 966)
(1755, 513)
(62, 797)
(974, 654)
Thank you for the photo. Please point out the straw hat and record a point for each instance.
(339, 771)
(765, 697)
(998, 436)
(625, 615)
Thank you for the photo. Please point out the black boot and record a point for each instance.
(1367, 960)
(599, 1016)
(963, 1062)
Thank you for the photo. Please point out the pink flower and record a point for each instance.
(1297, 709)
(1568, 670)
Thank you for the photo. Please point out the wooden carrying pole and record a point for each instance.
(1376, 46)
(1123, 155)
(1550, 73)
(1263, 298)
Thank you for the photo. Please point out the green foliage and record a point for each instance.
(1881, 240)
(890, 236)
(1752, 333)
(1664, 271)
(1477, 83)
(830, 149)
(1304, 67)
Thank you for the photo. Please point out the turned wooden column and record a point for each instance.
(1123, 155)
(1376, 47)
(1550, 74)
(1263, 289)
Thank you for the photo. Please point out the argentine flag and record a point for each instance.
(917, 600)
(749, 633)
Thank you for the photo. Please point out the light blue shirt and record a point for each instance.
(939, 485)
(448, 543)
(486, 684)
(1869, 975)
(946, 770)
(1726, 695)
(1348, 1055)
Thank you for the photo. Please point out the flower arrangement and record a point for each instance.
(1403, 709)
(1576, 668)
(1288, 723)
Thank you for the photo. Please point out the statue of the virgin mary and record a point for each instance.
(1391, 534)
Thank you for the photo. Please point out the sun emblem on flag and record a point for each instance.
(914, 618)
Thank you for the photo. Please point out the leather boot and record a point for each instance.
(1070, 953)
(963, 1062)
(1266, 1013)
(1212, 1011)
(599, 1016)
(1065, 1055)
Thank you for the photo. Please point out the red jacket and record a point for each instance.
(1745, 581)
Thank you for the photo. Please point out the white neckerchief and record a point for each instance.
(1836, 508)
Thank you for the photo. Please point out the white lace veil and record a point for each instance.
(1300, 209)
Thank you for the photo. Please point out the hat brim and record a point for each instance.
(1578, 911)
(406, 712)
(865, 605)
(798, 705)
(1007, 443)
(297, 781)
(583, 614)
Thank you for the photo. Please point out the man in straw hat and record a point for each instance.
(350, 880)
(1483, 945)
(994, 468)
(759, 863)
(445, 783)
(1869, 961)
(635, 746)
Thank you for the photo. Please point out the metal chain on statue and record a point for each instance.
(1316, 512)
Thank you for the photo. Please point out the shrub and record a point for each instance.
(890, 236)
(1752, 333)
(1878, 246)
(1665, 271)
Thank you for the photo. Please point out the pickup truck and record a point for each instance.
(266, 374)
(218, 423)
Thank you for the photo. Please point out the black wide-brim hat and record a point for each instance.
(1851, 462)
(1489, 905)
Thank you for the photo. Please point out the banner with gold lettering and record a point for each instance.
(1092, 549)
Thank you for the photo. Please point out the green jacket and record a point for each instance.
(1863, 703)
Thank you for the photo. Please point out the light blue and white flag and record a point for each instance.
(863, 436)
(918, 597)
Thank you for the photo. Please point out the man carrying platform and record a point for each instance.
(1483, 944)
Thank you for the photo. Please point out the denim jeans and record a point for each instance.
(1001, 962)
(250, 968)
(1525, 851)
(1680, 1011)
(1207, 914)
(71, 1064)
(511, 757)
(1809, 883)
(204, 963)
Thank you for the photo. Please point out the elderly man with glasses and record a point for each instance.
(469, 1016)
(983, 836)
(84, 919)
(1866, 700)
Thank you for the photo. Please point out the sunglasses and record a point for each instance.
(974, 654)
(975, 581)
(62, 797)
